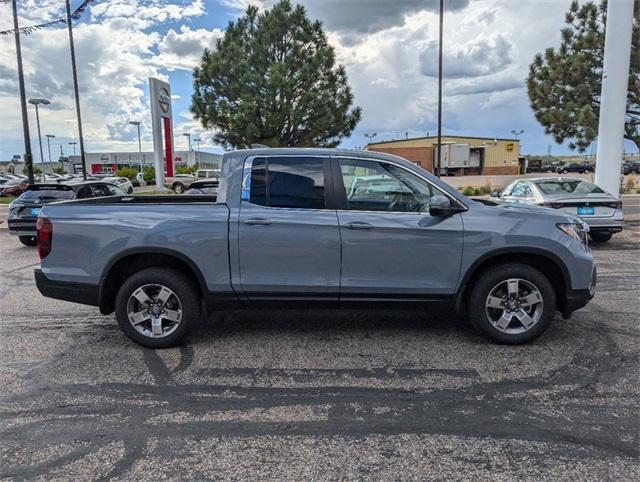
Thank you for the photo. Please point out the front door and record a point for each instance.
(289, 242)
(391, 246)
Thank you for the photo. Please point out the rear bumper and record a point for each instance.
(82, 293)
(576, 299)
(22, 227)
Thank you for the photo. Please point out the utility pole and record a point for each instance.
(74, 147)
(613, 97)
(137, 124)
(76, 91)
(28, 157)
(188, 136)
(197, 140)
(439, 163)
(49, 137)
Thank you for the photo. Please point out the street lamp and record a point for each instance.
(74, 147)
(516, 134)
(137, 124)
(188, 136)
(197, 140)
(371, 136)
(49, 137)
(37, 102)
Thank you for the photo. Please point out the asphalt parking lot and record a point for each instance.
(322, 394)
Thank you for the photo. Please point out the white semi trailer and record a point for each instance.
(456, 159)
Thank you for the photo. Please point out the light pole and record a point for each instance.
(36, 103)
(516, 134)
(440, 32)
(137, 124)
(74, 147)
(197, 140)
(188, 136)
(371, 136)
(49, 137)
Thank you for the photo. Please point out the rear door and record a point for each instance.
(288, 237)
(391, 245)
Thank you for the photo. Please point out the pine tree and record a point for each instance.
(273, 79)
(564, 85)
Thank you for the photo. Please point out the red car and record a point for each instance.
(14, 187)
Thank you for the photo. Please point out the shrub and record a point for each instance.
(630, 184)
(148, 174)
(128, 172)
(59, 170)
(468, 191)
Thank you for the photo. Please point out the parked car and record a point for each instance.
(554, 165)
(13, 187)
(181, 182)
(630, 167)
(599, 209)
(23, 211)
(301, 235)
(122, 182)
(205, 188)
(579, 167)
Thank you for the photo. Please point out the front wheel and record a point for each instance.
(156, 307)
(600, 236)
(512, 303)
(28, 240)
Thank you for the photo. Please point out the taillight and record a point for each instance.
(614, 205)
(44, 235)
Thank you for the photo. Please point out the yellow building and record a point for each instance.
(486, 155)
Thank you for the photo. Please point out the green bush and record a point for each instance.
(186, 169)
(468, 191)
(148, 174)
(36, 171)
(128, 172)
(59, 170)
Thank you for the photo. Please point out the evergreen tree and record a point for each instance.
(272, 79)
(564, 85)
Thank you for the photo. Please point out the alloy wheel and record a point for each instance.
(514, 306)
(154, 310)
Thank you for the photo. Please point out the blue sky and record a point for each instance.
(389, 50)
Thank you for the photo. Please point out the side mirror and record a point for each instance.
(495, 194)
(440, 206)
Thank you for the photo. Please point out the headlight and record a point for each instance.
(576, 231)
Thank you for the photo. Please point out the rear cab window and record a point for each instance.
(569, 186)
(286, 182)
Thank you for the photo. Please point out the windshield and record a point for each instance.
(38, 195)
(570, 186)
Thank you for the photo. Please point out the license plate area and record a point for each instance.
(586, 211)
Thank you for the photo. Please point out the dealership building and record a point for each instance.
(460, 155)
(107, 162)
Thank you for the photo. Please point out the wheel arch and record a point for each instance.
(133, 260)
(544, 261)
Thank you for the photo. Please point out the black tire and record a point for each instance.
(600, 236)
(130, 190)
(484, 285)
(178, 188)
(28, 240)
(184, 290)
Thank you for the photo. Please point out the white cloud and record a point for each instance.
(183, 49)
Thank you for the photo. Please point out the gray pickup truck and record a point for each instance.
(309, 227)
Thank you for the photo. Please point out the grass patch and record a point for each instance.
(6, 199)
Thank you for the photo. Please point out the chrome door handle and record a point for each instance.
(358, 225)
(258, 221)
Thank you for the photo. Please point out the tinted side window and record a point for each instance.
(288, 182)
(521, 190)
(84, 193)
(100, 190)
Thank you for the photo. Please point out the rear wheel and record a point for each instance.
(178, 188)
(156, 307)
(512, 303)
(28, 240)
(600, 236)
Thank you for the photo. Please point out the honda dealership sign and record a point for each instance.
(162, 128)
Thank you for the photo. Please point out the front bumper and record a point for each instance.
(576, 299)
(82, 293)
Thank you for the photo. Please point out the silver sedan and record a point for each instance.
(599, 209)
